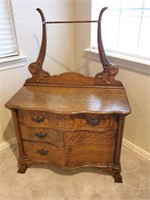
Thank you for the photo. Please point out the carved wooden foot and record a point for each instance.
(22, 169)
(117, 177)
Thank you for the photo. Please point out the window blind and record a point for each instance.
(8, 43)
(125, 27)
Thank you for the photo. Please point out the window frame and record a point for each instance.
(13, 32)
(123, 61)
(126, 63)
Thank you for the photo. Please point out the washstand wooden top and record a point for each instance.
(72, 92)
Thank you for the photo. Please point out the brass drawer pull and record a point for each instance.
(38, 119)
(40, 135)
(93, 122)
(42, 152)
(69, 149)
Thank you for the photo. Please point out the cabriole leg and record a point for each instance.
(117, 177)
(22, 168)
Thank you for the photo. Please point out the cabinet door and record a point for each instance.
(90, 148)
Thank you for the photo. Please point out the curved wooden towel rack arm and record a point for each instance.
(104, 78)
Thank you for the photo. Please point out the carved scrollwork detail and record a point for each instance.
(107, 76)
(33, 68)
(38, 74)
(112, 70)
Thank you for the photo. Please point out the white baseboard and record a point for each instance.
(136, 149)
(125, 143)
(8, 143)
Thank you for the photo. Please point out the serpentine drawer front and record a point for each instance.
(51, 136)
(44, 153)
(67, 122)
(84, 138)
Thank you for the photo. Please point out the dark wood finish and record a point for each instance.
(70, 120)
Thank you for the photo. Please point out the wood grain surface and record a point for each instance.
(71, 100)
(87, 148)
(47, 135)
(53, 155)
(67, 122)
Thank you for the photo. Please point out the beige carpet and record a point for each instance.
(48, 183)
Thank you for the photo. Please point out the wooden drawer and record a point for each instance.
(90, 148)
(44, 153)
(42, 135)
(66, 122)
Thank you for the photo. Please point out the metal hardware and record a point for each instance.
(42, 152)
(40, 135)
(38, 119)
(63, 22)
(69, 149)
(93, 122)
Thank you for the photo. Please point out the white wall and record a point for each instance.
(82, 11)
(137, 128)
(60, 50)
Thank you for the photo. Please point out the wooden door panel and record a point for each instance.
(90, 148)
